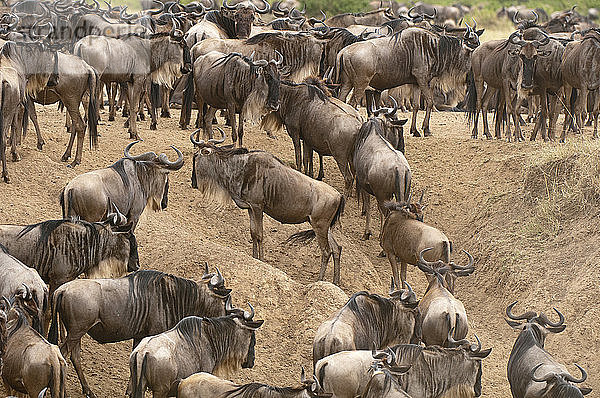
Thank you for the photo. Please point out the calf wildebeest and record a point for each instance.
(434, 372)
(30, 364)
(61, 250)
(417, 56)
(581, 71)
(206, 385)
(258, 181)
(404, 236)
(135, 60)
(367, 320)
(323, 123)
(215, 345)
(381, 170)
(441, 312)
(132, 184)
(238, 84)
(141, 304)
(532, 371)
(14, 274)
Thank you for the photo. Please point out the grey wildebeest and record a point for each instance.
(405, 235)
(441, 312)
(532, 371)
(141, 304)
(258, 181)
(30, 364)
(61, 250)
(381, 170)
(215, 345)
(371, 18)
(132, 184)
(412, 56)
(14, 274)
(323, 123)
(136, 60)
(434, 372)
(367, 320)
(581, 71)
(206, 385)
(238, 84)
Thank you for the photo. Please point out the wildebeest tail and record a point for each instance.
(339, 59)
(53, 332)
(446, 249)
(339, 211)
(138, 372)
(66, 201)
(321, 375)
(188, 98)
(302, 237)
(471, 97)
(402, 190)
(155, 95)
(92, 116)
(174, 388)
(2, 136)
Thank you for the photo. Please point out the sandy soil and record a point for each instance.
(475, 193)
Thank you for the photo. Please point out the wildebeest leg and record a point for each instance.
(321, 174)
(552, 116)
(207, 123)
(256, 232)
(567, 89)
(366, 211)
(580, 108)
(5, 176)
(489, 92)
(72, 347)
(152, 110)
(348, 177)
(307, 159)
(428, 95)
(336, 250)
(123, 101)
(36, 125)
(111, 101)
(596, 111)
(295, 136)
(14, 138)
(100, 101)
(399, 281)
(165, 111)
(134, 90)
(415, 111)
(240, 127)
(78, 129)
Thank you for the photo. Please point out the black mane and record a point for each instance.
(252, 389)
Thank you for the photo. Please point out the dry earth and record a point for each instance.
(476, 193)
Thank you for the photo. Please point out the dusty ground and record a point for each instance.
(476, 194)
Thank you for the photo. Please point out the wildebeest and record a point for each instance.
(215, 345)
(404, 236)
(532, 371)
(381, 170)
(441, 312)
(417, 56)
(322, 123)
(61, 250)
(206, 385)
(29, 363)
(434, 372)
(371, 18)
(513, 13)
(580, 70)
(135, 60)
(367, 320)
(14, 274)
(236, 83)
(258, 181)
(384, 378)
(141, 304)
(132, 184)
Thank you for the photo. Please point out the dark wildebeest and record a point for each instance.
(29, 364)
(238, 84)
(61, 250)
(371, 18)
(141, 304)
(508, 66)
(323, 123)
(258, 181)
(132, 184)
(381, 169)
(136, 60)
(532, 371)
(76, 78)
(404, 236)
(14, 274)
(412, 56)
(434, 372)
(215, 345)
(368, 320)
(513, 12)
(206, 385)
(581, 71)
(440, 310)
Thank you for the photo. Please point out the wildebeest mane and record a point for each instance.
(345, 37)
(371, 314)
(447, 50)
(226, 58)
(226, 24)
(3, 249)
(252, 389)
(218, 332)
(528, 338)
(365, 131)
(151, 181)
(119, 168)
(175, 298)
(143, 35)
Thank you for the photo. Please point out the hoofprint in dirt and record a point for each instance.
(475, 192)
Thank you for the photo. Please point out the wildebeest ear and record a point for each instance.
(585, 390)
(253, 324)
(479, 32)
(513, 324)
(481, 354)
(399, 122)
(556, 329)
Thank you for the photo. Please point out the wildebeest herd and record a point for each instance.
(65, 278)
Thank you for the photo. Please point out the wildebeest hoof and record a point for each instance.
(474, 136)
(6, 179)
(141, 116)
(111, 118)
(381, 254)
(427, 133)
(165, 114)
(366, 235)
(415, 133)
(73, 164)
(125, 114)
(64, 158)
(152, 126)
(126, 124)
(16, 157)
(183, 126)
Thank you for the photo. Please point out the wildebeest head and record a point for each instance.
(408, 209)
(21, 305)
(471, 36)
(559, 384)
(406, 296)
(538, 325)
(156, 173)
(216, 283)
(445, 274)
(472, 358)
(170, 55)
(249, 326)
(124, 242)
(527, 52)
(243, 16)
(393, 131)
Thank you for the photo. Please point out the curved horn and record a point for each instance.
(547, 321)
(410, 12)
(515, 18)
(527, 315)
(475, 349)
(280, 56)
(207, 274)
(535, 16)
(160, 10)
(543, 379)
(249, 315)
(148, 156)
(226, 5)
(265, 10)
(218, 141)
(279, 12)
(197, 143)
(574, 380)
(393, 110)
(423, 261)
(303, 376)
(228, 306)
(176, 165)
(545, 40)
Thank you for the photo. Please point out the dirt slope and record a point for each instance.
(476, 193)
